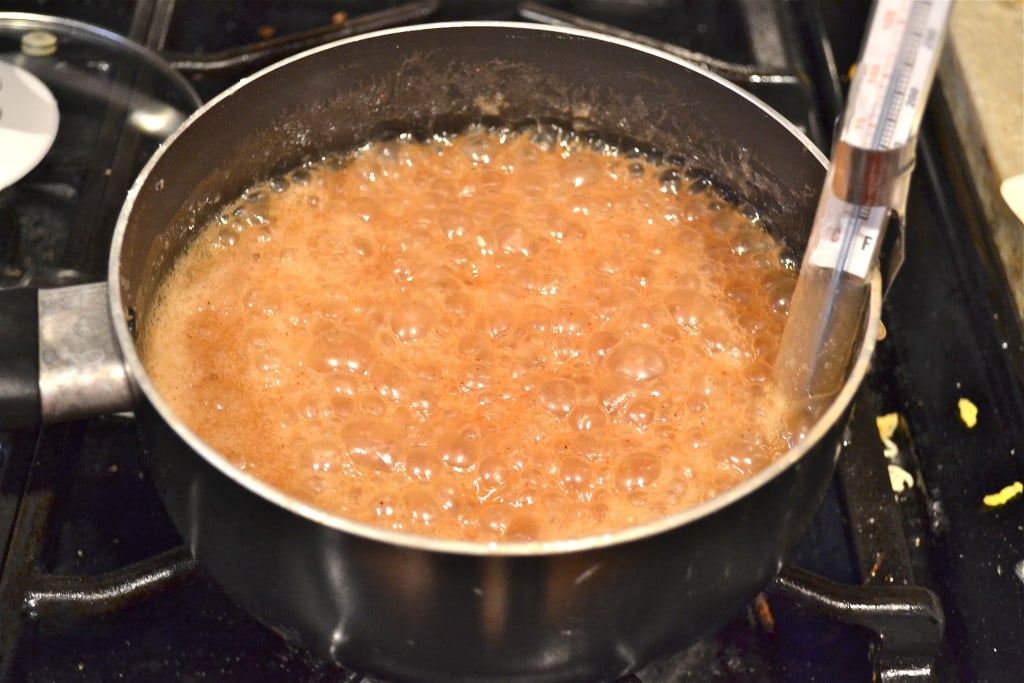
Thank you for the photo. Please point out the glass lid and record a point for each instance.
(81, 111)
(82, 75)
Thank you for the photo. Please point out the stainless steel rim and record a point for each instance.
(143, 383)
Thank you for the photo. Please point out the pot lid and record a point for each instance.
(83, 108)
(55, 70)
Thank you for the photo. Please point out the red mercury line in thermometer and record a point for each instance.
(867, 182)
(897, 63)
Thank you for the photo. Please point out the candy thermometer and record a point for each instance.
(866, 186)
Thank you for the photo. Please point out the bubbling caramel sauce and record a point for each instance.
(488, 336)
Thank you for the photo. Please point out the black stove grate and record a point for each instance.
(58, 585)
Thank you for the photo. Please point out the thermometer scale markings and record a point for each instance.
(886, 108)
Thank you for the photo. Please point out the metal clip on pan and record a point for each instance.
(60, 360)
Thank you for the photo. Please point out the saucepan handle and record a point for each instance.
(59, 358)
(19, 357)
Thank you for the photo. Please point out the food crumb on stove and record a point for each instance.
(266, 32)
(968, 412)
(764, 614)
(1004, 496)
(339, 18)
(886, 425)
(899, 479)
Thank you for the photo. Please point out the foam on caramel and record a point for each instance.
(487, 336)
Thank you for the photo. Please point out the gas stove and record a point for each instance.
(923, 583)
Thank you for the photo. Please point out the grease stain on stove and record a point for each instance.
(587, 574)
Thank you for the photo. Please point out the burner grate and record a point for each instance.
(47, 583)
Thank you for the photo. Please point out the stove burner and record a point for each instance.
(28, 122)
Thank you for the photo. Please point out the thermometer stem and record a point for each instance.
(866, 185)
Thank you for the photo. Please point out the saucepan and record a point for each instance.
(404, 606)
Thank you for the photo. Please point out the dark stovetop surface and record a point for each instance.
(951, 335)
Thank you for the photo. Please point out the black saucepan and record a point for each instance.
(410, 607)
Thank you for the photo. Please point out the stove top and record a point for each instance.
(922, 584)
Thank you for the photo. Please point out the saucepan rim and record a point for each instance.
(141, 381)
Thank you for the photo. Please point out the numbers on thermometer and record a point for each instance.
(886, 102)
